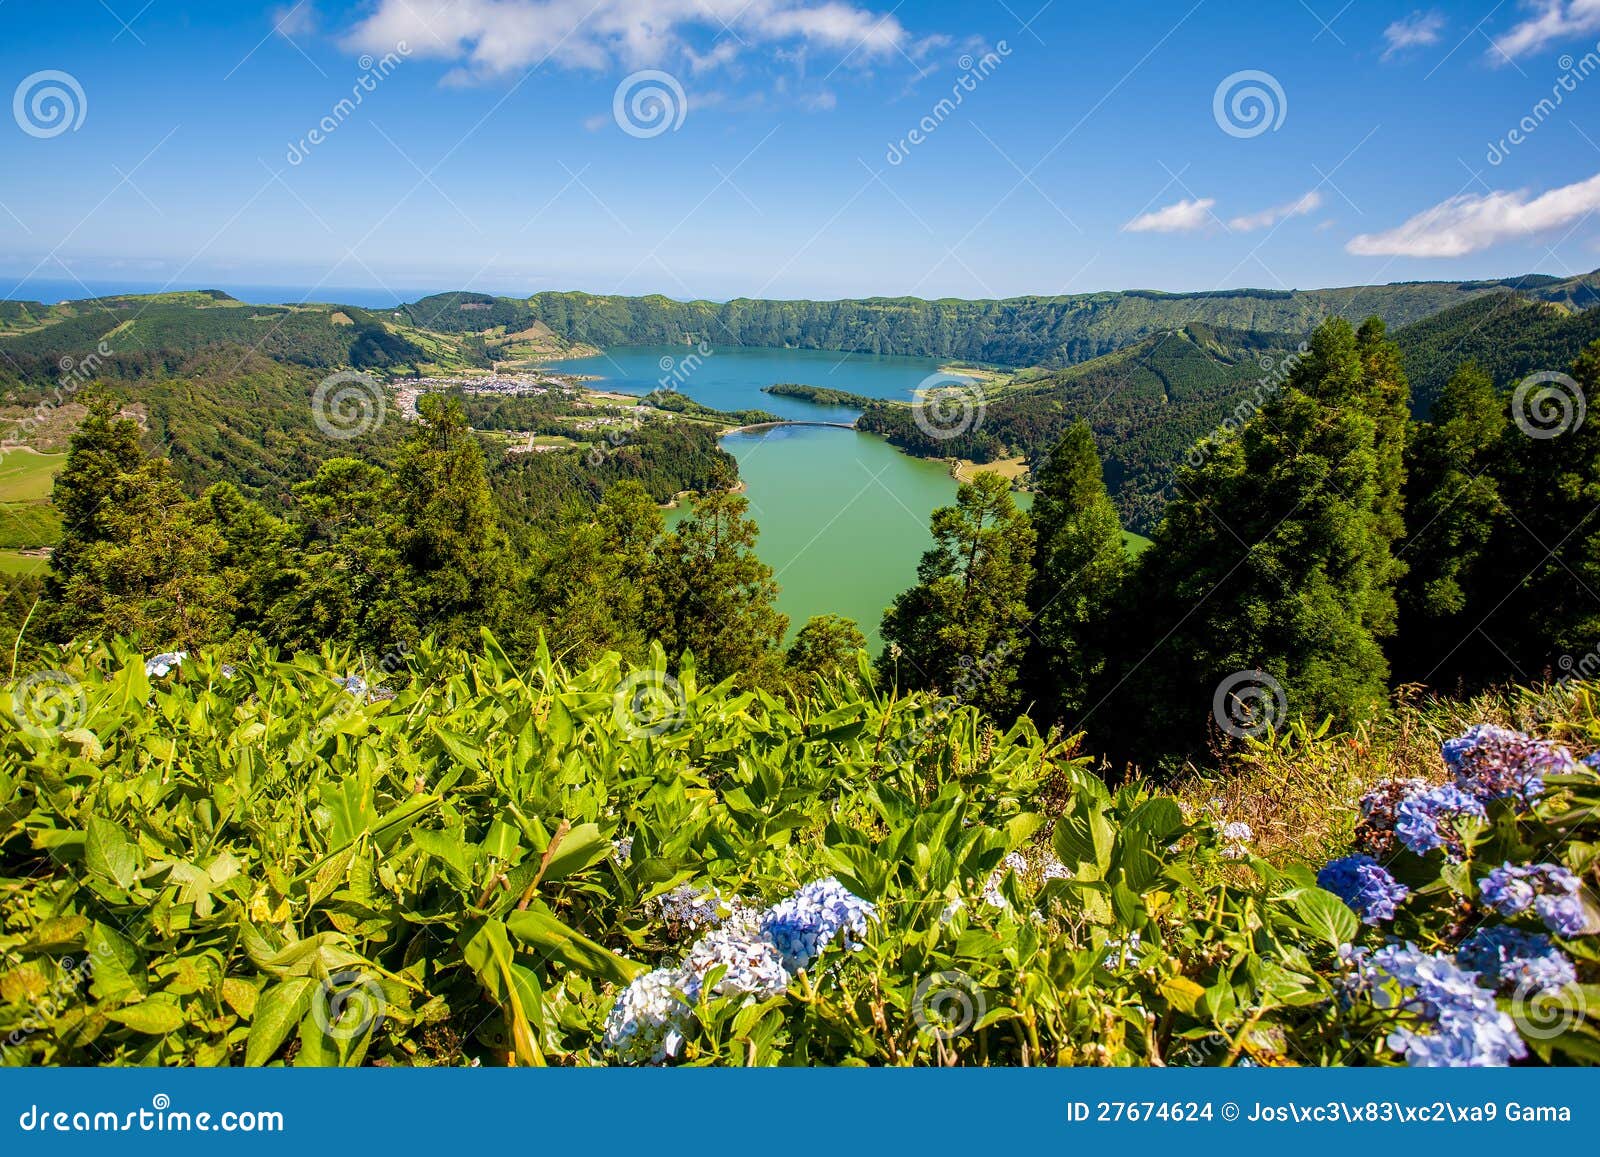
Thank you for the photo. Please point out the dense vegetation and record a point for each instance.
(270, 862)
(1017, 331)
(430, 741)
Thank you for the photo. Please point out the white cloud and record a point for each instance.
(1182, 217)
(1415, 31)
(1265, 219)
(1473, 221)
(296, 19)
(1551, 20)
(495, 37)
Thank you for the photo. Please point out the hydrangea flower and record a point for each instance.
(1054, 869)
(754, 964)
(991, 888)
(643, 1024)
(803, 924)
(1429, 819)
(1563, 915)
(354, 684)
(1511, 957)
(162, 665)
(1375, 832)
(1461, 1025)
(690, 909)
(1512, 890)
(1496, 763)
(1238, 830)
(1592, 759)
(1365, 885)
(756, 954)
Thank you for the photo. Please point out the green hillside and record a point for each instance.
(1015, 331)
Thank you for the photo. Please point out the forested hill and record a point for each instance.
(1021, 331)
(1506, 334)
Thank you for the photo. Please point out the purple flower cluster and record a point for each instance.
(1516, 959)
(1496, 763)
(803, 924)
(1430, 819)
(1549, 889)
(1460, 1024)
(1365, 885)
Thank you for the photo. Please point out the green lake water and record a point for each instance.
(843, 515)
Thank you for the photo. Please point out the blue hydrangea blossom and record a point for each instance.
(1516, 959)
(1497, 763)
(1428, 819)
(1365, 885)
(1460, 1024)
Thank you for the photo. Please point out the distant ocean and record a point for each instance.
(49, 289)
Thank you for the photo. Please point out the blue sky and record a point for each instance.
(1093, 146)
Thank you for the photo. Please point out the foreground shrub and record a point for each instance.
(278, 863)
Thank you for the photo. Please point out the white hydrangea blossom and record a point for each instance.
(162, 665)
(643, 1025)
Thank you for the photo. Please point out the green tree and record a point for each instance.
(103, 449)
(1540, 594)
(716, 597)
(1454, 506)
(1079, 566)
(461, 568)
(960, 630)
(1273, 562)
(136, 557)
(826, 645)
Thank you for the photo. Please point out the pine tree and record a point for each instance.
(1453, 505)
(1274, 558)
(825, 646)
(1540, 600)
(136, 557)
(961, 630)
(1079, 566)
(461, 566)
(717, 596)
(103, 449)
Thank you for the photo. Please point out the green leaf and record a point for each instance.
(566, 946)
(277, 1013)
(582, 847)
(156, 1016)
(110, 854)
(1325, 915)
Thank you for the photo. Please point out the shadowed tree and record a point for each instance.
(1079, 564)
